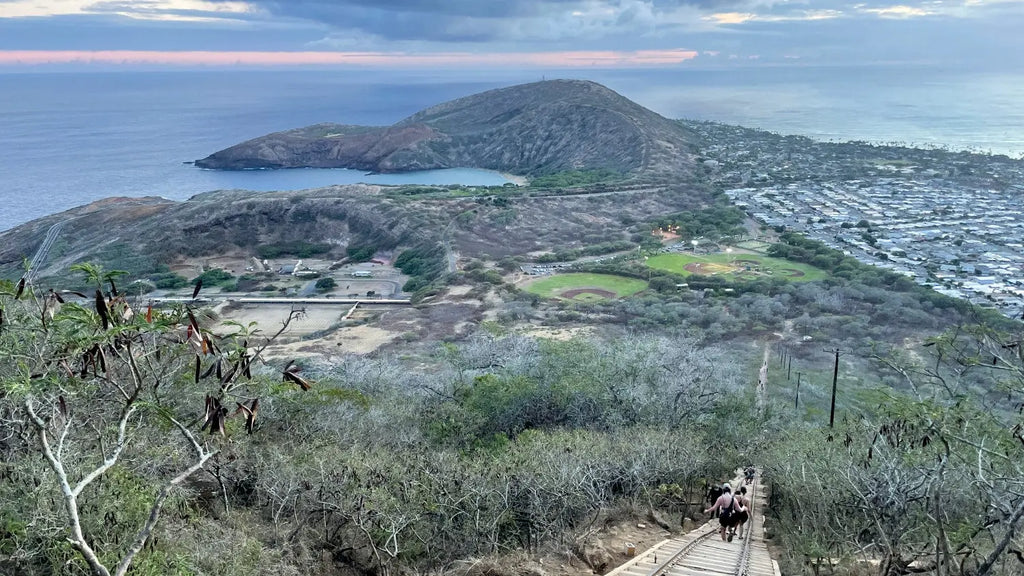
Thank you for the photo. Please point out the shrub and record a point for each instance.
(214, 277)
(575, 178)
(168, 280)
(360, 253)
(424, 264)
(326, 284)
(297, 248)
(141, 287)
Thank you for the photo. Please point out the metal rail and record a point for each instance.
(703, 553)
(676, 558)
(742, 564)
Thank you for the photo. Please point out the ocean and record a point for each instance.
(69, 138)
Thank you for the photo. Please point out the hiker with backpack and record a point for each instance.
(727, 508)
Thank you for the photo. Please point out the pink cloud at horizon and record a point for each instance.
(575, 58)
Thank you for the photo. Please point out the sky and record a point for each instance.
(495, 34)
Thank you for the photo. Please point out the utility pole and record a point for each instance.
(798, 374)
(835, 378)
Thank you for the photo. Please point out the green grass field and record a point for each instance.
(580, 287)
(736, 266)
(755, 245)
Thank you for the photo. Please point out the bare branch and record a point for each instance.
(108, 462)
(70, 496)
(986, 567)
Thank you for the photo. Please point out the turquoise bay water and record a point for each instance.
(67, 139)
(300, 178)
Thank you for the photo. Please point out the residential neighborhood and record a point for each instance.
(950, 220)
(963, 242)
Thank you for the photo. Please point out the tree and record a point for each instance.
(97, 276)
(326, 284)
(214, 277)
(932, 479)
(107, 397)
(360, 253)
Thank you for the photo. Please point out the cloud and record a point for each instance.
(113, 32)
(735, 18)
(899, 12)
(581, 23)
(553, 59)
(778, 31)
(168, 10)
(490, 21)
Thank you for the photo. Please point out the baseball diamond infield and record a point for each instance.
(584, 287)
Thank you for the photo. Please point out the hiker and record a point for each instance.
(749, 474)
(714, 491)
(743, 513)
(727, 507)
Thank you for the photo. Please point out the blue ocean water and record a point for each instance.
(69, 138)
(981, 111)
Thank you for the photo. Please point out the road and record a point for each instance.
(632, 189)
(338, 301)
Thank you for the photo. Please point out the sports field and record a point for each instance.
(755, 245)
(735, 265)
(582, 287)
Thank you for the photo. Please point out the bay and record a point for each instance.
(71, 138)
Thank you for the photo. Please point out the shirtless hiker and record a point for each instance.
(728, 509)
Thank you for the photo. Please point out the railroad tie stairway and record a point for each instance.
(701, 552)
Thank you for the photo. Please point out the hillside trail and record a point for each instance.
(44, 249)
(701, 552)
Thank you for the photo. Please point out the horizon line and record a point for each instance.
(211, 58)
